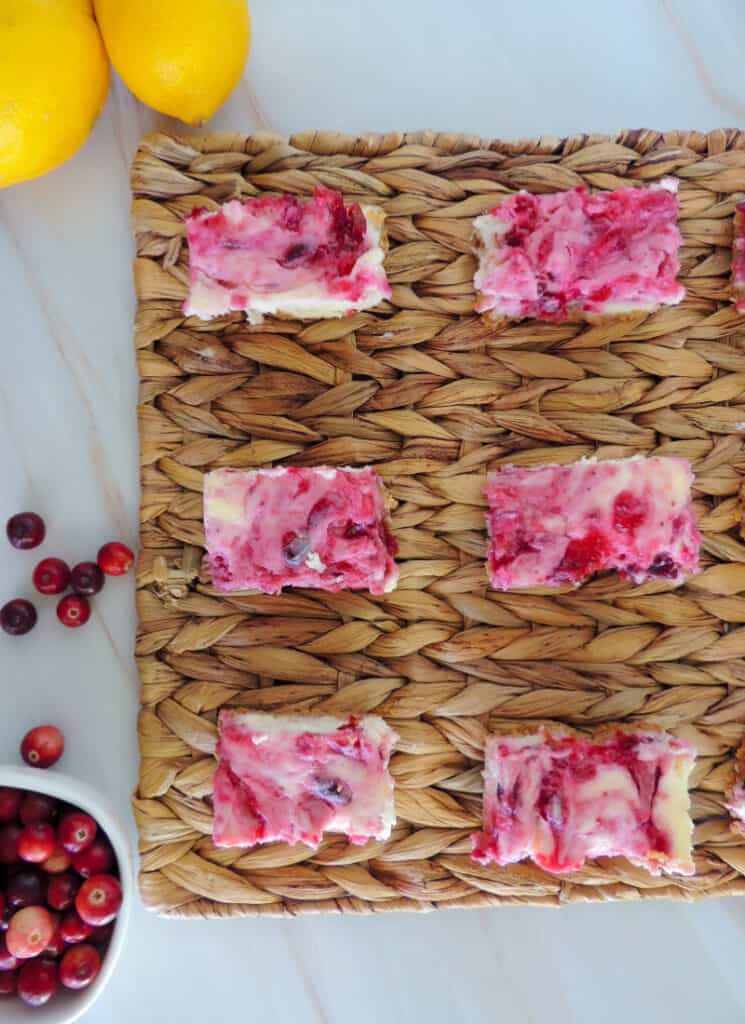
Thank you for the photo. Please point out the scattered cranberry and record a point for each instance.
(8, 983)
(101, 936)
(37, 842)
(37, 982)
(5, 919)
(8, 962)
(43, 746)
(59, 861)
(56, 947)
(99, 899)
(86, 579)
(30, 931)
(61, 891)
(25, 530)
(73, 611)
(51, 576)
(73, 928)
(9, 835)
(96, 859)
(37, 807)
(76, 831)
(115, 558)
(25, 889)
(79, 966)
(17, 616)
(10, 803)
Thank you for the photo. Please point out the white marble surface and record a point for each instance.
(68, 449)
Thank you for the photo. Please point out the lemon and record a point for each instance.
(54, 77)
(182, 57)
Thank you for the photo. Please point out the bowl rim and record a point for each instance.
(75, 791)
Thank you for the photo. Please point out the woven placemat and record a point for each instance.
(433, 397)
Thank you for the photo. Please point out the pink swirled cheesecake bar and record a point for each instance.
(289, 778)
(289, 526)
(738, 259)
(559, 798)
(557, 525)
(279, 255)
(579, 256)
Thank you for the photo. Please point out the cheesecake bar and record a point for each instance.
(735, 802)
(559, 798)
(289, 778)
(579, 255)
(557, 525)
(280, 255)
(738, 259)
(322, 527)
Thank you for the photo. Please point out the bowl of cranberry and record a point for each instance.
(66, 885)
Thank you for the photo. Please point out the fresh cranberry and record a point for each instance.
(37, 807)
(582, 557)
(51, 576)
(59, 861)
(8, 983)
(2, 903)
(9, 835)
(96, 859)
(101, 936)
(73, 611)
(61, 891)
(30, 931)
(36, 842)
(79, 966)
(17, 616)
(76, 831)
(57, 945)
(73, 928)
(629, 512)
(25, 889)
(8, 962)
(25, 530)
(115, 558)
(86, 579)
(10, 803)
(99, 899)
(37, 982)
(43, 746)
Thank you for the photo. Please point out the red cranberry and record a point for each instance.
(36, 842)
(73, 928)
(37, 807)
(43, 746)
(61, 891)
(79, 966)
(51, 576)
(59, 861)
(9, 835)
(25, 889)
(76, 831)
(101, 936)
(25, 530)
(86, 579)
(10, 803)
(115, 558)
(96, 859)
(17, 616)
(37, 982)
(56, 947)
(73, 611)
(8, 962)
(8, 983)
(30, 931)
(99, 899)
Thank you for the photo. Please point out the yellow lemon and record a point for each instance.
(182, 57)
(54, 77)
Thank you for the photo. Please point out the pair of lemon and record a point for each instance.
(182, 57)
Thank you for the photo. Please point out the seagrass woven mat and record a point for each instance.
(433, 397)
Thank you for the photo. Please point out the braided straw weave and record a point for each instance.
(433, 397)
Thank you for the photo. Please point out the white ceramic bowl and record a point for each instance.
(67, 1006)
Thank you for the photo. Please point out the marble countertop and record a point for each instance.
(68, 449)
